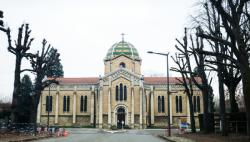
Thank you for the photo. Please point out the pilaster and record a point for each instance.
(74, 106)
(152, 105)
(132, 108)
(92, 105)
(57, 104)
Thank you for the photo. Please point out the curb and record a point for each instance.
(116, 131)
(165, 138)
(31, 139)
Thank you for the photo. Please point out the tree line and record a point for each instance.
(44, 63)
(218, 41)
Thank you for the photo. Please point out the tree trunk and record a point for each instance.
(246, 91)
(222, 105)
(233, 104)
(193, 128)
(17, 89)
(205, 111)
(34, 106)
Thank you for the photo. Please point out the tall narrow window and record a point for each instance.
(163, 104)
(81, 104)
(159, 104)
(49, 103)
(125, 92)
(117, 93)
(194, 104)
(180, 104)
(68, 103)
(176, 104)
(64, 103)
(198, 104)
(121, 92)
(85, 103)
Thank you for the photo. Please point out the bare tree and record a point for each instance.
(236, 24)
(187, 51)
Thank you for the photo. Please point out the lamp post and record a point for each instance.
(168, 93)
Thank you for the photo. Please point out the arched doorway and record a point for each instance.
(120, 117)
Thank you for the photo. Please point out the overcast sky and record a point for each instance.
(84, 30)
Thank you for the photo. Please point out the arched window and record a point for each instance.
(125, 92)
(122, 65)
(121, 92)
(117, 93)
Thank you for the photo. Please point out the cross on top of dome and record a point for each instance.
(122, 37)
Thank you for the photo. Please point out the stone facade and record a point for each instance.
(121, 97)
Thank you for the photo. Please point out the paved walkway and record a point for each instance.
(96, 135)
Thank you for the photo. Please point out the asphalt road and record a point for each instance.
(96, 135)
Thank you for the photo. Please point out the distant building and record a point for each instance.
(121, 96)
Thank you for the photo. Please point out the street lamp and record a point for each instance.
(168, 93)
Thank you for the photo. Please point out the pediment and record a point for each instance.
(122, 73)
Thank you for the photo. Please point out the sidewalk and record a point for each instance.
(21, 137)
(199, 137)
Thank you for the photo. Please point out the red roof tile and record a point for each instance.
(163, 80)
(94, 80)
(83, 80)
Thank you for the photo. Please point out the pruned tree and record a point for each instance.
(235, 20)
(22, 45)
(42, 62)
(1, 22)
(184, 68)
(186, 52)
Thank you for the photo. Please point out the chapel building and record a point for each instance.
(122, 97)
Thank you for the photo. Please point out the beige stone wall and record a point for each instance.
(131, 65)
(83, 120)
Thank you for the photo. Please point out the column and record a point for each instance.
(132, 108)
(141, 108)
(56, 111)
(152, 106)
(144, 120)
(92, 105)
(74, 106)
(38, 120)
(109, 108)
(100, 108)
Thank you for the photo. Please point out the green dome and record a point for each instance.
(122, 48)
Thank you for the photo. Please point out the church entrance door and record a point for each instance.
(120, 118)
